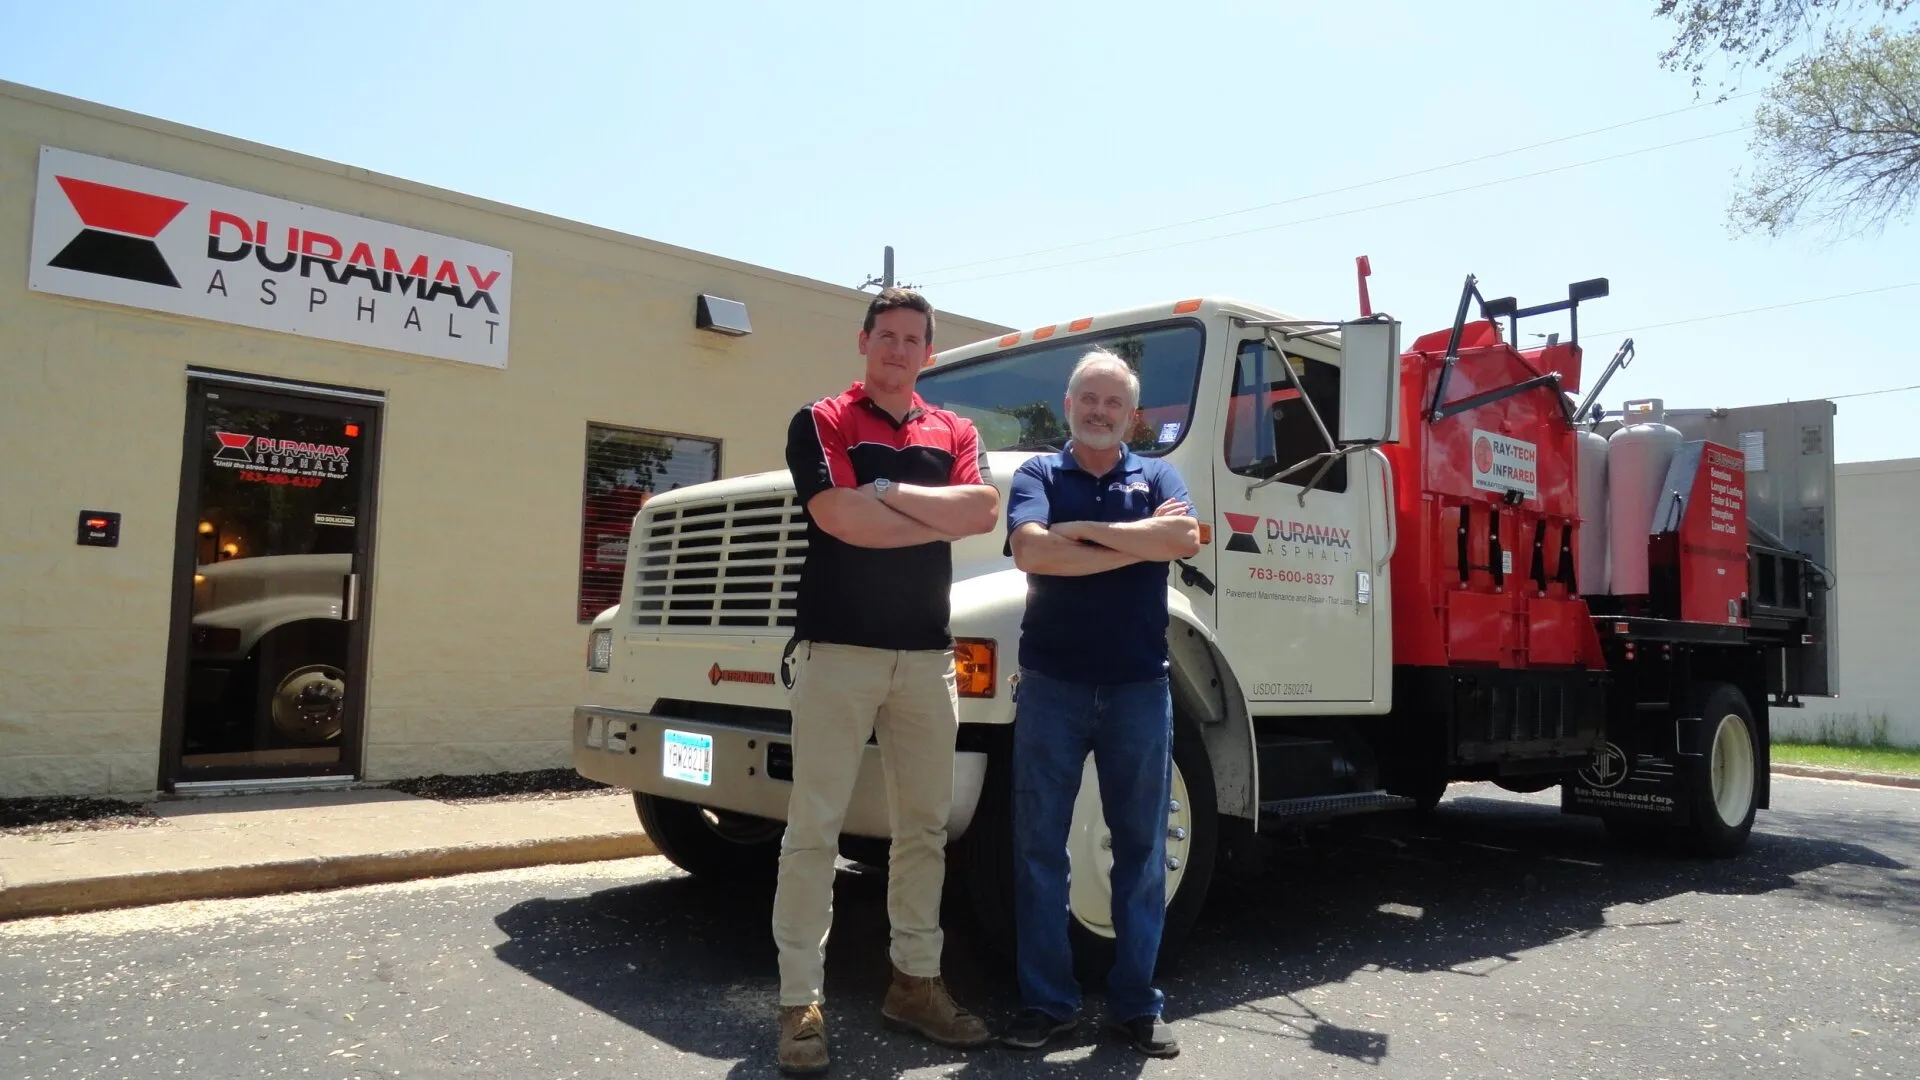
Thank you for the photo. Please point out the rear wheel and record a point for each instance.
(1725, 784)
(710, 843)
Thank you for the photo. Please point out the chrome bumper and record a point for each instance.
(751, 771)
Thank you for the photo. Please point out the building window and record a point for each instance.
(625, 468)
(1268, 427)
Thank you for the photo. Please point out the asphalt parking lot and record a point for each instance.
(1496, 938)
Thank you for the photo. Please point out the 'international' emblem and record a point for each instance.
(717, 675)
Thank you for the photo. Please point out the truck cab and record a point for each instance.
(1351, 499)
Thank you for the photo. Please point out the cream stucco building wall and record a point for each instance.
(475, 654)
(1879, 591)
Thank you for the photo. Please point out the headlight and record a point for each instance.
(973, 666)
(600, 650)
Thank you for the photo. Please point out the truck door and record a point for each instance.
(1295, 603)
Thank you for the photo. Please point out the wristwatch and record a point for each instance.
(881, 487)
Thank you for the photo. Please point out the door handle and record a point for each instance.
(1393, 529)
(350, 599)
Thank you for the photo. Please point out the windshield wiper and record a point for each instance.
(1035, 444)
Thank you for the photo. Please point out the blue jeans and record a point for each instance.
(1128, 727)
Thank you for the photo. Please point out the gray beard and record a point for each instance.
(1096, 442)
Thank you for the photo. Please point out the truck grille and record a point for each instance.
(732, 564)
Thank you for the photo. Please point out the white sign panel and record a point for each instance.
(1505, 464)
(123, 234)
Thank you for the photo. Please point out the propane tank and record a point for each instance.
(1591, 569)
(1637, 460)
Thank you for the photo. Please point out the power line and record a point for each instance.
(1756, 310)
(1872, 393)
(1336, 191)
(1344, 213)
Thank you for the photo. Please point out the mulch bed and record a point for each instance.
(500, 787)
(71, 813)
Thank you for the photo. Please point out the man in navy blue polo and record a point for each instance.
(1094, 527)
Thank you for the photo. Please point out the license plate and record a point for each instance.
(687, 757)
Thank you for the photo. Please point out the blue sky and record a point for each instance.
(806, 136)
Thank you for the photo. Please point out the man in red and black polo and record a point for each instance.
(887, 483)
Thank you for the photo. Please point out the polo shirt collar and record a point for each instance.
(1129, 461)
(857, 393)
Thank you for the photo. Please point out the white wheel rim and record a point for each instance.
(1732, 770)
(1090, 848)
(309, 703)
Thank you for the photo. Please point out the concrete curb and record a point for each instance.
(306, 875)
(344, 871)
(1817, 773)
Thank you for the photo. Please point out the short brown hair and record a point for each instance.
(895, 298)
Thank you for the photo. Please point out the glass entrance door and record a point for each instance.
(269, 637)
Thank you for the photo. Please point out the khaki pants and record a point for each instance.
(841, 695)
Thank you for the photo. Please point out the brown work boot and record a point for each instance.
(923, 1005)
(803, 1039)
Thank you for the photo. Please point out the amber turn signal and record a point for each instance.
(973, 667)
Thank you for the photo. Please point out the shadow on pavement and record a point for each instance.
(1465, 891)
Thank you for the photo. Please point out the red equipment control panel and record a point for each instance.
(1697, 555)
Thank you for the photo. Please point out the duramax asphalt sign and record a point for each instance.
(123, 234)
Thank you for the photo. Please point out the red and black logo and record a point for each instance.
(717, 675)
(118, 240)
(233, 447)
(1242, 526)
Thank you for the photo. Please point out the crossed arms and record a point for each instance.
(913, 514)
(1079, 548)
(851, 512)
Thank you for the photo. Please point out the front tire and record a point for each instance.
(1725, 785)
(710, 843)
(1193, 836)
(308, 703)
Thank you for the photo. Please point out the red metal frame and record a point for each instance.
(1525, 616)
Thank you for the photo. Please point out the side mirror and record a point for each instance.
(1370, 382)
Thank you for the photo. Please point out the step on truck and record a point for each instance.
(1423, 565)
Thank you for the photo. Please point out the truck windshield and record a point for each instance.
(1015, 398)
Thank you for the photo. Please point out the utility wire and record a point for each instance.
(1345, 213)
(1872, 393)
(1335, 191)
(1756, 310)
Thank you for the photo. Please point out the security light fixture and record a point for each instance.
(722, 316)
